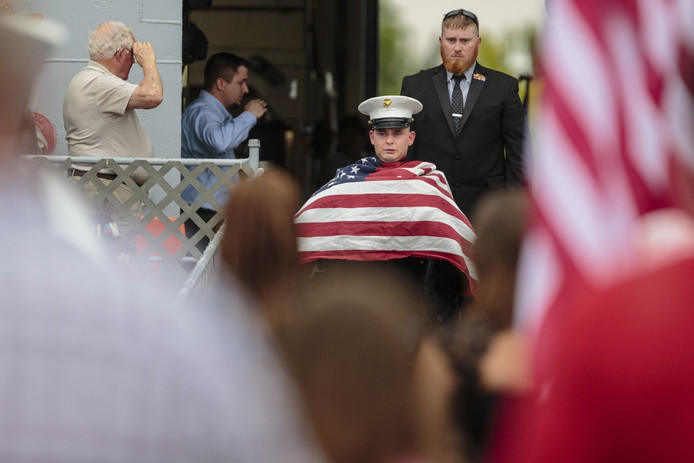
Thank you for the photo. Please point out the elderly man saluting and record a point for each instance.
(98, 110)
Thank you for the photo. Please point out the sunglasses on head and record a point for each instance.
(467, 13)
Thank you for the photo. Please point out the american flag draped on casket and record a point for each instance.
(373, 211)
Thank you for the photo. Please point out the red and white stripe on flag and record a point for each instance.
(395, 212)
(617, 108)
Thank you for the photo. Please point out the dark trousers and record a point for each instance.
(192, 228)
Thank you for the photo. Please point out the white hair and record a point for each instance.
(105, 40)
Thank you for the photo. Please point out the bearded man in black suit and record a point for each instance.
(475, 135)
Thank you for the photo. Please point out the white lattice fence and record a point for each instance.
(156, 237)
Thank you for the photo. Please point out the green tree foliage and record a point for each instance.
(394, 61)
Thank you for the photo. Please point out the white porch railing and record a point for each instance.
(160, 245)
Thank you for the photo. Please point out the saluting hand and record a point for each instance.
(144, 54)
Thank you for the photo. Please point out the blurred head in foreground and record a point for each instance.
(350, 355)
(351, 352)
(260, 246)
(500, 219)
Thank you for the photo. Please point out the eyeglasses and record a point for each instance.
(467, 13)
(123, 48)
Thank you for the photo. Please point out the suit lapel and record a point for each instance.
(473, 93)
(441, 86)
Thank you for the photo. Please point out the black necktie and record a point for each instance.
(457, 103)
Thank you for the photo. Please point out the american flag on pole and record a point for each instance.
(617, 109)
(372, 212)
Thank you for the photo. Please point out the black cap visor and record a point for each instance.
(390, 123)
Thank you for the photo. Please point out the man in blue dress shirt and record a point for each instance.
(208, 130)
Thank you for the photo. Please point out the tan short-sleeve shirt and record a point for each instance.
(96, 120)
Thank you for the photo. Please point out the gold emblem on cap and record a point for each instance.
(387, 102)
